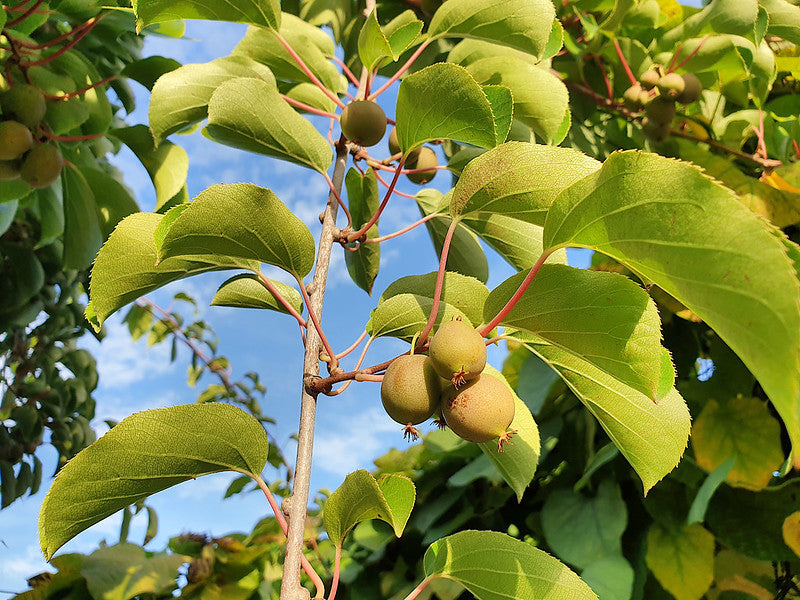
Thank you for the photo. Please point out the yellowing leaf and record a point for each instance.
(778, 182)
(682, 560)
(718, 434)
(791, 531)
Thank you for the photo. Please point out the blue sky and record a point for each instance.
(352, 428)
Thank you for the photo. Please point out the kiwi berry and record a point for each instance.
(41, 166)
(424, 159)
(692, 89)
(660, 110)
(15, 140)
(410, 391)
(649, 79)
(632, 97)
(363, 122)
(481, 410)
(9, 170)
(458, 352)
(671, 85)
(24, 103)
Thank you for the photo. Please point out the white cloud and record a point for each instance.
(23, 565)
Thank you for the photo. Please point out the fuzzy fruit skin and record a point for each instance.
(660, 110)
(480, 411)
(394, 147)
(363, 122)
(411, 389)
(24, 103)
(9, 170)
(458, 352)
(671, 85)
(691, 90)
(649, 79)
(425, 159)
(41, 166)
(632, 96)
(15, 140)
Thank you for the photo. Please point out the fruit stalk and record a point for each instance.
(297, 502)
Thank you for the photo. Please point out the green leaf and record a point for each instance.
(510, 569)
(147, 70)
(582, 530)
(682, 560)
(364, 262)
(737, 278)
(468, 51)
(241, 221)
(14, 190)
(518, 179)
(784, 19)
(312, 44)
(113, 199)
(361, 498)
(697, 512)
(125, 267)
(257, 12)
(519, 458)
(445, 101)
(246, 291)
(465, 255)
(180, 97)
(373, 47)
(7, 212)
(308, 93)
(540, 98)
(145, 453)
(651, 436)
(125, 571)
(82, 234)
(717, 434)
(404, 315)
(521, 24)
(466, 294)
(611, 578)
(167, 164)
(602, 317)
(250, 114)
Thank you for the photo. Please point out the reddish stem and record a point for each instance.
(437, 292)
(517, 295)
(24, 15)
(353, 79)
(309, 108)
(691, 56)
(624, 62)
(385, 184)
(796, 148)
(60, 38)
(81, 91)
(307, 71)
(51, 57)
(337, 560)
(354, 346)
(356, 235)
(400, 72)
(356, 368)
(279, 297)
(315, 321)
(400, 232)
(675, 56)
(609, 89)
(339, 200)
(315, 578)
(417, 590)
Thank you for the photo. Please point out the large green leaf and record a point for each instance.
(167, 164)
(518, 459)
(540, 98)
(125, 267)
(180, 97)
(582, 530)
(113, 199)
(445, 101)
(82, 234)
(495, 566)
(521, 24)
(250, 114)
(404, 315)
(364, 262)
(651, 436)
(518, 179)
(378, 45)
(465, 255)
(604, 318)
(241, 221)
(145, 453)
(258, 12)
(311, 44)
(246, 291)
(125, 571)
(684, 232)
(467, 294)
(361, 497)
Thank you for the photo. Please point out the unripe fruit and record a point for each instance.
(363, 122)
(458, 352)
(653, 131)
(41, 166)
(394, 144)
(671, 85)
(9, 170)
(660, 110)
(410, 391)
(425, 159)
(480, 411)
(15, 140)
(632, 97)
(692, 89)
(24, 103)
(645, 98)
(649, 79)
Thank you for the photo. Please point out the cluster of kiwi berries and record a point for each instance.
(364, 123)
(451, 385)
(22, 154)
(657, 93)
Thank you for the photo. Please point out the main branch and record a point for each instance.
(296, 504)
